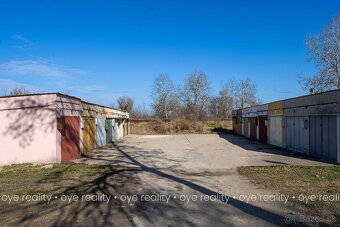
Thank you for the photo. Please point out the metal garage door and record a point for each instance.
(322, 137)
(115, 129)
(253, 128)
(89, 134)
(245, 125)
(294, 134)
(263, 129)
(108, 129)
(239, 126)
(275, 129)
(100, 141)
(70, 139)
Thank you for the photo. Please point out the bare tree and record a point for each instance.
(19, 91)
(165, 103)
(195, 94)
(323, 50)
(125, 103)
(233, 88)
(221, 106)
(140, 112)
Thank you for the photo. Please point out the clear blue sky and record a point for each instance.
(99, 50)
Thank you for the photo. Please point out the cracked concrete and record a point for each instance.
(201, 165)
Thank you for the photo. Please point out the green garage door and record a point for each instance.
(108, 128)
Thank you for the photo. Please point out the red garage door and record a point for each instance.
(70, 139)
(253, 129)
(263, 129)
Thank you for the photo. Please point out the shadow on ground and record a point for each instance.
(256, 146)
(125, 181)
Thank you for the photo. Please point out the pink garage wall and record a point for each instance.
(28, 129)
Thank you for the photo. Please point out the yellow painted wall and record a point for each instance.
(275, 108)
(124, 127)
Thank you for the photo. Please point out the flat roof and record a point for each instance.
(33, 94)
(102, 106)
(58, 93)
(324, 92)
(336, 90)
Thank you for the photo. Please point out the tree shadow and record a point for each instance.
(114, 182)
(125, 181)
(251, 145)
(222, 130)
(24, 116)
(255, 211)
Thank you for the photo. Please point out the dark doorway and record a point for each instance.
(263, 129)
(108, 127)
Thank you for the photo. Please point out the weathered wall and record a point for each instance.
(115, 130)
(316, 99)
(276, 127)
(333, 108)
(116, 114)
(89, 134)
(101, 135)
(28, 129)
(93, 110)
(275, 108)
(29, 132)
(255, 111)
(70, 138)
(323, 103)
(68, 107)
(108, 112)
(245, 127)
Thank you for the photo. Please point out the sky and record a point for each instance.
(100, 50)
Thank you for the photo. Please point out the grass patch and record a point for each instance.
(57, 181)
(301, 180)
(22, 179)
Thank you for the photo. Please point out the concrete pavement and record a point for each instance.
(198, 175)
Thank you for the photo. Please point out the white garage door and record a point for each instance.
(275, 127)
(323, 137)
(294, 134)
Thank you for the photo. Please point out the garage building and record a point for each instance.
(308, 124)
(54, 128)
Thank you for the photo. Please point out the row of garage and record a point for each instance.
(102, 125)
(308, 124)
(55, 128)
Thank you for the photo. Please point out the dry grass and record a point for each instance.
(178, 126)
(302, 181)
(30, 178)
(25, 181)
